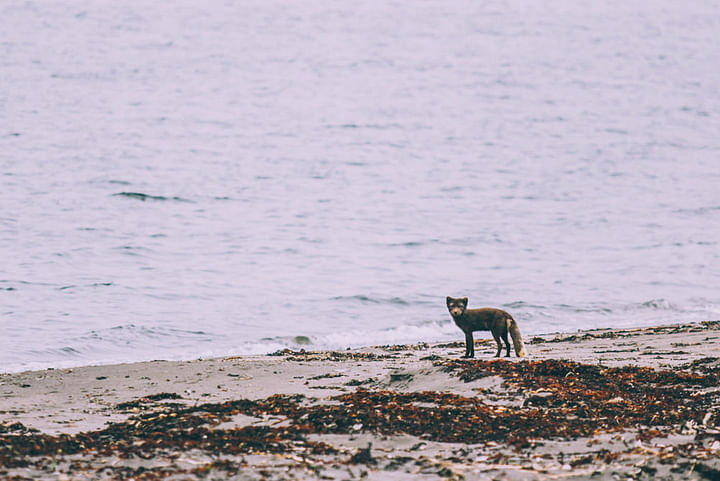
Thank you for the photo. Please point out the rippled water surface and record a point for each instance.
(191, 178)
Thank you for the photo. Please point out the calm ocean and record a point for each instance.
(193, 179)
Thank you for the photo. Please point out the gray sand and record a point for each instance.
(85, 399)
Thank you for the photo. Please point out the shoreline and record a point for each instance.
(631, 402)
(480, 336)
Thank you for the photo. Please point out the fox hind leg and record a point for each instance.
(499, 344)
(507, 344)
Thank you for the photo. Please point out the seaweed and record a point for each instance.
(152, 398)
(558, 399)
(303, 355)
(606, 398)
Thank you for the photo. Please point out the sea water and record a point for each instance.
(191, 179)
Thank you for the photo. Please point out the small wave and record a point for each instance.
(428, 331)
(146, 197)
(118, 344)
(372, 300)
(139, 336)
(522, 305)
(699, 210)
(289, 341)
(589, 309)
(410, 244)
(135, 251)
(655, 304)
(370, 126)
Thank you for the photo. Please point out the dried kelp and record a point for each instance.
(303, 355)
(606, 398)
(708, 365)
(619, 333)
(152, 398)
(421, 346)
(557, 400)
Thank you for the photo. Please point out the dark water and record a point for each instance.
(205, 178)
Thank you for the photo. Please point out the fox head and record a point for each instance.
(457, 307)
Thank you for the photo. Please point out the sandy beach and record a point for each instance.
(603, 404)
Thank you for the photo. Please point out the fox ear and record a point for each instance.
(465, 300)
(448, 299)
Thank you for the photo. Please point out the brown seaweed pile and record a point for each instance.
(620, 333)
(592, 398)
(303, 355)
(557, 400)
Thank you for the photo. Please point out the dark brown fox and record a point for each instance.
(497, 321)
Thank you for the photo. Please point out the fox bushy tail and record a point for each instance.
(516, 338)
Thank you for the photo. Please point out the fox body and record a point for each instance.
(497, 321)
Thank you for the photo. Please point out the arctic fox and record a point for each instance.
(497, 321)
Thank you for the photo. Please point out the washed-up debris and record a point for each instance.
(363, 456)
(325, 376)
(149, 436)
(601, 398)
(228, 467)
(558, 400)
(431, 357)
(16, 428)
(360, 382)
(422, 346)
(562, 399)
(152, 398)
(617, 333)
(303, 355)
(706, 365)
(401, 377)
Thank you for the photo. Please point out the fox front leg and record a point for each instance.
(469, 345)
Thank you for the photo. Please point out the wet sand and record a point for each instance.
(601, 404)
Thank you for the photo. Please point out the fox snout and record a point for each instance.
(456, 306)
